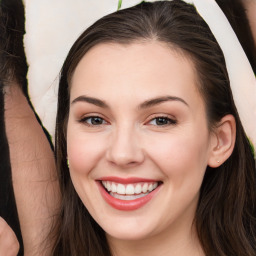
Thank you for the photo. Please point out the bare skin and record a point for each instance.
(9, 245)
(33, 172)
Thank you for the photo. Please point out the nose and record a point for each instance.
(125, 149)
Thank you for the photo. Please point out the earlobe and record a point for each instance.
(224, 144)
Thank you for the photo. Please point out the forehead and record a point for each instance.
(141, 69)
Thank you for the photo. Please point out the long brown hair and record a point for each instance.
(225, 217)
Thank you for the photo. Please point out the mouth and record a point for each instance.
(127, 195)
(129, 191)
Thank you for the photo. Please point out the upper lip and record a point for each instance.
(128, 180)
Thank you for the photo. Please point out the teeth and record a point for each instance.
(108, 186)
(138, 189)
(130, 189)
(113, 188)
(120, 189)
(145, 188)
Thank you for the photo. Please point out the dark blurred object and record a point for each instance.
(13, 68)
(12, 55)
(236, 14)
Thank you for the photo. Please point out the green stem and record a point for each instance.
(119, 4)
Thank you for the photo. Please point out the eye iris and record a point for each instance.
(96, 120)
(162, 121)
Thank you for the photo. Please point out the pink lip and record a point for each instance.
(126, 180)
(126, 205)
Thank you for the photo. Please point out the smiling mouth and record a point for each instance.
(131, 191)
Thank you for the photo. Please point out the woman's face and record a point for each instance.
(137, 127)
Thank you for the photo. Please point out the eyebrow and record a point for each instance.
(91, 100)
(145, 104)
(159, 100)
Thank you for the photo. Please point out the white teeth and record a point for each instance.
(138, 189)
(113, 187)
(108, 186)
(150, 187)
(129, 189)
(145, 188)
(120, 189)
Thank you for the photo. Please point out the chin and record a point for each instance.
(128, 235)
(128, 229)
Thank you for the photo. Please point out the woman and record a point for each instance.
(158, 161)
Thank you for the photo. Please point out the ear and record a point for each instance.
(223, 142)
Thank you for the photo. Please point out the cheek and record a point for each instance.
(84, 151)
(181, 157)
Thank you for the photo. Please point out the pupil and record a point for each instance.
(96, 120)
(161, 121)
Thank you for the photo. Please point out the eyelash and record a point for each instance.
(167, 121)
(85, 120)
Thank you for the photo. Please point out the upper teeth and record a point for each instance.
(129, 189)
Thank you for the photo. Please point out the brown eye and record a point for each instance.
(162, 121)
(93, 120)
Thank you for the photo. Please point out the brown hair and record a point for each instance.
(225, 217)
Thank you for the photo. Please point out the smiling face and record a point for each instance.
(137, 127)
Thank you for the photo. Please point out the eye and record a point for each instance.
(162, 121)
(93, 121)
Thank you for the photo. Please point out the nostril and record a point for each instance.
(124, 150)
(125, 158)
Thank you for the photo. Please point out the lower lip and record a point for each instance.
(126, 205)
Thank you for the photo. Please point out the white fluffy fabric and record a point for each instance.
(53, 25)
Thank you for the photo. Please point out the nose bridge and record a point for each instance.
(125, 149)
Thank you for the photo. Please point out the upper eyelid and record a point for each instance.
(88, 117)
(159, 115)
(173, 121)
(92, 115)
